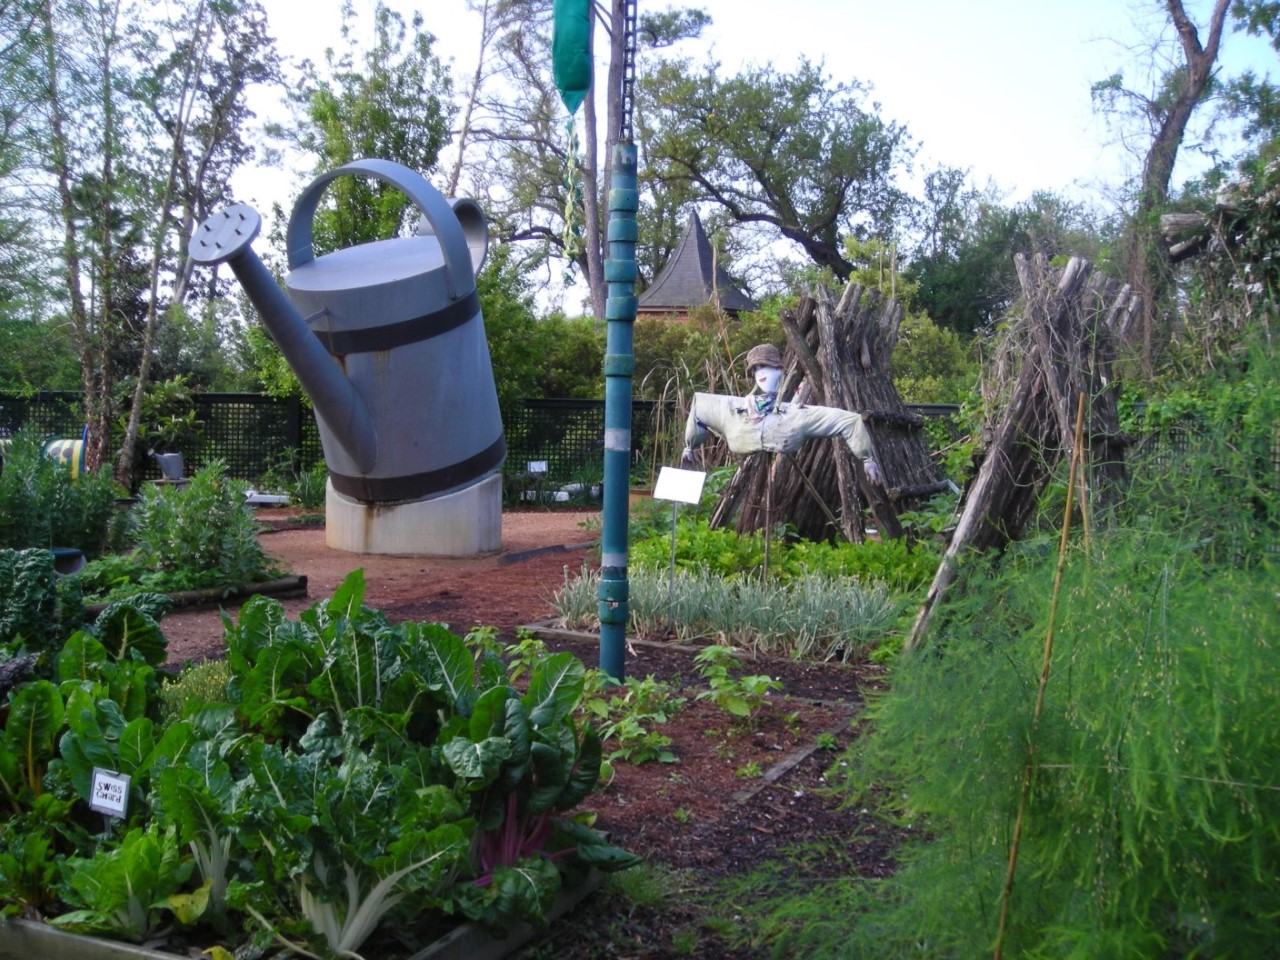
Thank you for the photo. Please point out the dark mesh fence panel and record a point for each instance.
(254, 433)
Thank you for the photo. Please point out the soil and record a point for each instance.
(739, 794)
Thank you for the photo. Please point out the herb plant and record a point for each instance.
(741, 696)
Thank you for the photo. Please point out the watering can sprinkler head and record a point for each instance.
(227, 237)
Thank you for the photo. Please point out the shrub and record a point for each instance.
(200, 535)
(41, 505)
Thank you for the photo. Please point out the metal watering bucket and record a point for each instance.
(388, 340)
(402, 317)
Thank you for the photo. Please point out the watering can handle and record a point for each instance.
(458, 261)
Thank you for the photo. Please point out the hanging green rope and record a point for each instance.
(571, 68)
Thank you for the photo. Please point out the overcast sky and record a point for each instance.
(1000, 87)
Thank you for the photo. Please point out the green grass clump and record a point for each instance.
(815, 617)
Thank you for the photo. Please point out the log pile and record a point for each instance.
(837, 355)
(1056, 351)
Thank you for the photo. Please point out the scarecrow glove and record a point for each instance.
(873, 471)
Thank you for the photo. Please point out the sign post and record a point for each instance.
(678, 486)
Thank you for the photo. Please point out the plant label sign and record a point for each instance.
(537, 466)
(682, 486)
(109, 794)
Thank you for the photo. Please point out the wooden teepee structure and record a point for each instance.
(1057, 351)
(837, 355)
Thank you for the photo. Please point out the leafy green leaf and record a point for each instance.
(127, 630)
(83, 657)
(586, 771)
(526, 890)
(555, 687)
(35, 715)
(445, 662)
(477, 761)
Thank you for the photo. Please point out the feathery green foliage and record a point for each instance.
(1150, 829)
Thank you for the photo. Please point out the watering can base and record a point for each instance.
(466, 523)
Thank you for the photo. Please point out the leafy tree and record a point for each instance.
(391, 102)
(794, 153)
(1251, 97)
(136, 128)
(517, 128)
(930, 363)
(20, 278)
(517, 349)
(35, 356)
(1166, 113)
(196, 95)
(572, 366)
(963, 272)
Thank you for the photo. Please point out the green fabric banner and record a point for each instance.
(571, 51)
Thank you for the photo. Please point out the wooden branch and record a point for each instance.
(918, 491)
(910, 421)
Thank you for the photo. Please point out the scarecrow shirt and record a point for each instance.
(757, 423)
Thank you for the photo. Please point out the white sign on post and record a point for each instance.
(681, 486)
(537, 466)
(109, 794)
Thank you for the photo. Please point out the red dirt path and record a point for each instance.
(505, 590)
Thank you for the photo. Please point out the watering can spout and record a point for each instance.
(226, 237)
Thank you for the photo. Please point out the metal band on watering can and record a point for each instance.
(403, 332)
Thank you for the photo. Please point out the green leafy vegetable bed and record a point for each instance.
(352, 786)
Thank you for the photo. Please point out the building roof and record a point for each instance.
(687, 279)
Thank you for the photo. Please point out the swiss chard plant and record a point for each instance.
(524, 762)
(349, 778)
(441, 786)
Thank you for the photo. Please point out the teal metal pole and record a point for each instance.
(619, 368)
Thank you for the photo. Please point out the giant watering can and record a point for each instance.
(388, 341)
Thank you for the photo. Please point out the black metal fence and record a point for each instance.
(255, 434)
(550, 443)
(250, 432)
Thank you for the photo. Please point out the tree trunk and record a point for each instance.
(1064, 335)
(1147, 265)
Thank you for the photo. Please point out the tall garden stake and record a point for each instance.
(1077, 454)
(571, 54)
(619, 366)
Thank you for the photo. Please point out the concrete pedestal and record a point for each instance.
(467, 523)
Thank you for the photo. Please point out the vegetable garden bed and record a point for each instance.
(29, 940)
